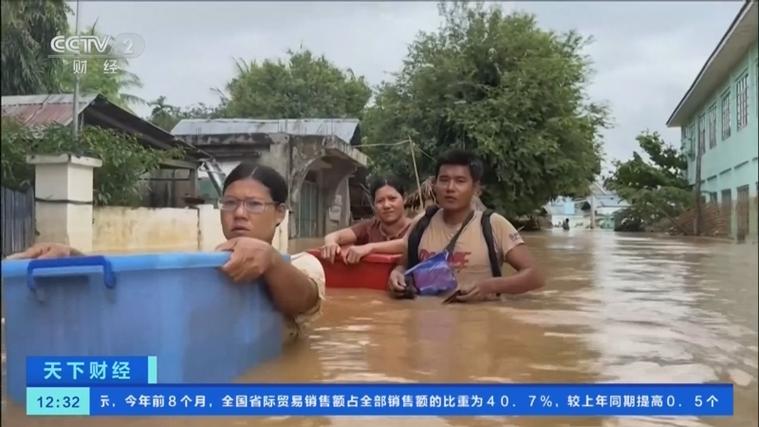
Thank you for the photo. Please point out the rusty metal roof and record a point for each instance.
(94, 109)
(344, 129)
(38, 110)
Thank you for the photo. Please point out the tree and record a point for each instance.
(500, 86)
(163, 115)
(656, 189)
(105, 75)
(117, 182)
(166, 116)
(27, 29)
(304, 86)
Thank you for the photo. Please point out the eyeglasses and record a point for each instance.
(230, 204)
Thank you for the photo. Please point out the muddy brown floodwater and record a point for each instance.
(628, 308)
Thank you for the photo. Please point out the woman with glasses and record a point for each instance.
(252, 206)
(382, 234)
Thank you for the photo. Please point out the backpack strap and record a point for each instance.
(415, 236)
(487, 231)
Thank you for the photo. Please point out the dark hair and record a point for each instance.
(382, 181)
(462, 158)
(267, 176)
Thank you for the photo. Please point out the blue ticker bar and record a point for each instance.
(410, 400)
(79, 371)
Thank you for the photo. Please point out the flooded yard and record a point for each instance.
(617, 308)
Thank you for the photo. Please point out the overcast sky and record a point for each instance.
(645, 54)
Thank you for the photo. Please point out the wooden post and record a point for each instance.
(416, 174)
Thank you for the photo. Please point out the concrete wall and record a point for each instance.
(120, 229)
(64, 214)
(125, 230)
(62, 223)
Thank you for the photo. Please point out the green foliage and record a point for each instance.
(166, 116)
(27, 28)
(163, 115)
(304, 86)
(117, 182)
(656, 189)
(666, 167)
(111, 82)
(500, 86)
(15, 142)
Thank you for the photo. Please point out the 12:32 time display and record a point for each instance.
(63, 402)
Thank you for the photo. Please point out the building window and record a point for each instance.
(713, 197)
(726, 115)
(712, 126)
(741, 101)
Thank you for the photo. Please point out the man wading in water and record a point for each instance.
(475, 264)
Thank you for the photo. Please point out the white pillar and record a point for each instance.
(64, 198)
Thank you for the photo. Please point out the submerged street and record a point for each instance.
(617, 308)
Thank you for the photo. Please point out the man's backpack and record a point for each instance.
(415, 238)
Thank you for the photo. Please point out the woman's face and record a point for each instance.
(388, 204)
(247, 210)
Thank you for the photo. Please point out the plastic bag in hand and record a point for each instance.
(432, 276)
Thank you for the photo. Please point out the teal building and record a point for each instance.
(719, 113)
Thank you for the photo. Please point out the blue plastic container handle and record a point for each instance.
(83, 261)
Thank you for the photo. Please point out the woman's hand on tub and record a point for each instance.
(329, 251)
(46, 250)
(354, 254)
(250, 258)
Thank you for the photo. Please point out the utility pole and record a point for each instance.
(75, 116)
(699, 153)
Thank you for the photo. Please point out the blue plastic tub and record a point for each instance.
(176, 306)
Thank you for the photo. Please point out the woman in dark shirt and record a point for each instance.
(382, 234)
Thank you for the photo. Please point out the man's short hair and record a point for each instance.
(462, 158)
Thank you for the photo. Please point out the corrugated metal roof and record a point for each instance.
(32, 110)
(610, 201)
(43, 110)
(343, 129)
(598, 189)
